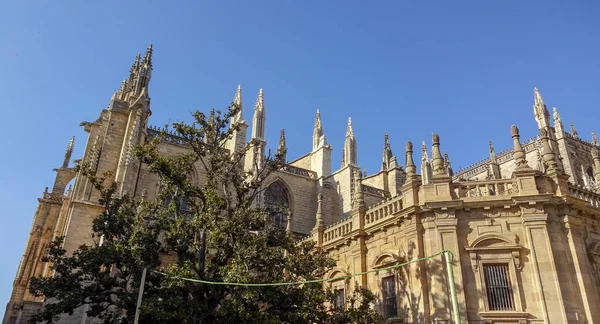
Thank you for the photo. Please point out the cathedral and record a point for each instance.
(523, 223)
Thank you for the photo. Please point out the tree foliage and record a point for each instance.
(242, 244)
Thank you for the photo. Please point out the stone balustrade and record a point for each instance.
(488, 188)
(383, 210)
(584, 194)
(337, 230)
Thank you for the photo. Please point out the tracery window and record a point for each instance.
(277, 201)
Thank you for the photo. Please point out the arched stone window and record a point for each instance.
(277, 201)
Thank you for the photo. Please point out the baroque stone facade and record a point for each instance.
(522, 224)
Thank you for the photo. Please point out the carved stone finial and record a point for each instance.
(438, 160)
(594, 139)
(519, 154)
(514, 130)
(359, 200)
(411, 168)
(319, 216)
(547, 153)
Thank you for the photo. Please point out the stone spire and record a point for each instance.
(144, 72)
(596, 157)
(436, 155)
(237, 101)
(494, 168)
(518, 152)
(148, 57)
(318, 137)
(542, 116)
(319, 224)
(387, 153)
(594, 139)
(558, 125)
(133, 71)
(281, 148)
(258, 122)
(425, 165)
(69, 152)
(574, 131)
(447, 165)
(547, 153)
(411, 168)
(349, 156)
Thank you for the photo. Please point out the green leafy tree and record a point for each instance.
(212, 231)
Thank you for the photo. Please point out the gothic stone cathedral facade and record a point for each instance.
(523, 224)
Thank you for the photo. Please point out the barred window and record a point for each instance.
(498, 287)
(339, 301)
(388, 290)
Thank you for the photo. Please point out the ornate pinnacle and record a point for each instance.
(135, 65)
(574, 131)
(148, 57)
(69, 152)
(387, 152)
(411, 168)
(318, 132)
(537, 97)
(519, 154)
(547, 154)
(349, 130)
(319, 216)
(349, 155)
(424, 155)
(281, 148)
(555, 115)
(237, 101)
(260, 101)
(359, 199)
(594, 139)
(318, 120)
(436, 154)
(123, 86)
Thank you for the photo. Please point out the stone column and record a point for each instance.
(543, 265)
(441, 234)
(413, 285)
(582, 269)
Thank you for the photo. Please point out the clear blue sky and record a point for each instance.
(465, 70)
